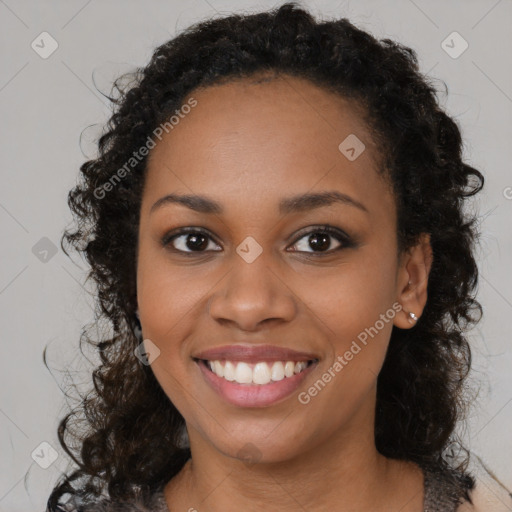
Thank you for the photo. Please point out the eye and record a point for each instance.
(320, 238)
(188, 238)
(195, 240)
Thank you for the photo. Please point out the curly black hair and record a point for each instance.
(131, 438)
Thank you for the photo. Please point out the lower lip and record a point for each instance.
(254, 395)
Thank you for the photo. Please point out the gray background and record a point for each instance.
(46, 104)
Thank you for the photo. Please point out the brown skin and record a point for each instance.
(247, 146)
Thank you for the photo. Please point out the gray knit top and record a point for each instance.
(443, 492)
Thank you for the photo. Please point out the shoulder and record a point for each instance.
(153, 502)
(488, 494)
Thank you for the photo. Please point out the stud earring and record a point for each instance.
(412, 317)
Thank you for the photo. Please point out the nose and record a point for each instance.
(252, 294)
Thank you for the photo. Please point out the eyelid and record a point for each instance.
(345, 240)
(172, 235)
(337, 233)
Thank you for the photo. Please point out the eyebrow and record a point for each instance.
(299, 203)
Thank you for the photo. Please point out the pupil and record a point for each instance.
(194, 239)
(317, 241)
(313, 239)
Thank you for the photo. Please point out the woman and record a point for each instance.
(275, 225)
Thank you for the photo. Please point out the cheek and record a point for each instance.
(171, 299)
(356, 316)
(169, 296)
(352, 305)
(352, 296)
(167, 303)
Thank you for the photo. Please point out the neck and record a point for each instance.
(338, 474)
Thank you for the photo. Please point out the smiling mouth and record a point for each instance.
(259, 373)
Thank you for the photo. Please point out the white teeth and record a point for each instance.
(259, 373)
(289, 368)
(229, 371)
(243, 373)
(218, 368)
(300, 366)
(277, 371)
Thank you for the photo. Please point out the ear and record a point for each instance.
(412, 280)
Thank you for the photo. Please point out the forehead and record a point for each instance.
(246, 139)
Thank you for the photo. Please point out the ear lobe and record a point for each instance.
(412, 282)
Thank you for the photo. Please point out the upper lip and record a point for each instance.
(254, 353)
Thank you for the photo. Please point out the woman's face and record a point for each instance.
(263, 275)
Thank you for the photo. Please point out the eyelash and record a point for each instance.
(343, 238)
